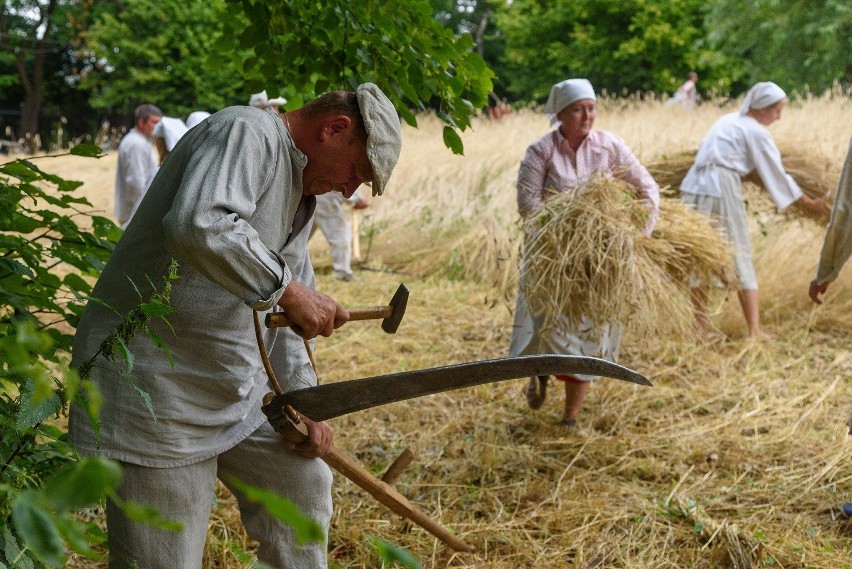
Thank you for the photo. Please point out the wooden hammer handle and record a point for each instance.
(279, 319)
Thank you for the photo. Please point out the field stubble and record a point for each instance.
(737, 457)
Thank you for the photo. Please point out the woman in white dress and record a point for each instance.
(562, 160)
(736, 145)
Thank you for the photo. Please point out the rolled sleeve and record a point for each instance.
(211, 229)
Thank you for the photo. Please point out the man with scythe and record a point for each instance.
(233, 203)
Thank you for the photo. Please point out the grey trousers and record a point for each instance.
(186, 494)
(332, 218)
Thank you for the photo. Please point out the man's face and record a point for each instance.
(146, 126)
(339, 165)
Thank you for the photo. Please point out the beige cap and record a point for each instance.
(384, 138)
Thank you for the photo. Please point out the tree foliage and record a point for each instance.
(33, 35)
(633, 45)
(311, 47)
(153, 51)
(51, 248)
(795, 43)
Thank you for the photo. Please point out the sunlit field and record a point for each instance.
(737, 457)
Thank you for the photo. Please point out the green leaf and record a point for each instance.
(453, 141)
(12, 551)
(307, 530)
(77, 283)
(390, 553)
(146, 398)
(146, 515)
(37, 529)
(33, 411)
(21, 169)
(154, 308)
(83, 483)
(78, 535)
(157, 341)
(125, 352)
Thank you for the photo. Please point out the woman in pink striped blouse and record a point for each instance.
(562, 160)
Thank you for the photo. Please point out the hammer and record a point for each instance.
(392, 313)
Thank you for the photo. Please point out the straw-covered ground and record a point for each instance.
(737, 456)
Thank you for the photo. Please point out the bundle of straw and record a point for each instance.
(586, 256)
(687, 244)
(814, 174)
(670, 169)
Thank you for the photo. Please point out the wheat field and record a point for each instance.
(737, 457)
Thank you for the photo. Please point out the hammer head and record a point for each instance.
(397, 305)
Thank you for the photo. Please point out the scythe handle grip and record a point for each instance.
(386, 494)
(280, 320)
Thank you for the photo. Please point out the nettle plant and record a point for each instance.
(51, 250)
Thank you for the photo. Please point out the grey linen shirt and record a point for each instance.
(136, 163)
(228, 205)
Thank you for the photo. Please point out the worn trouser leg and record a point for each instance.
(184, 494)
(333, 220)
(264, 461)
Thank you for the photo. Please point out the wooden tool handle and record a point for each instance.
(386, 494)
(279, 319)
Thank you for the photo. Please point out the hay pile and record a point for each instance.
(586, 256)
(477, 250)
(814, 173)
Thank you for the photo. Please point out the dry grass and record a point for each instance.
(737, 457)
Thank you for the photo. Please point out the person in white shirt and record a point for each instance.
(737, 144)
(687, 94)
(136, 162)
(166, 134)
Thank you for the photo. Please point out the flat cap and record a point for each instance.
(384, 138)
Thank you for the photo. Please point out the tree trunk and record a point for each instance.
(32, 78)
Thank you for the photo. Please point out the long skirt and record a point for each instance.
(729, 214)
(586, 339)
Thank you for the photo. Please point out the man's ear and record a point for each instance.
(336, 125)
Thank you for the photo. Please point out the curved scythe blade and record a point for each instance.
(335, 399)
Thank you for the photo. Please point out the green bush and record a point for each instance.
(48, 263)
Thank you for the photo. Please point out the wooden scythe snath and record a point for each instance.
(383, 490)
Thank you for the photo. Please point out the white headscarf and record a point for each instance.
(170, 130)
(762, 95)
(566, 92)
(262, 101)
(196, 117)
